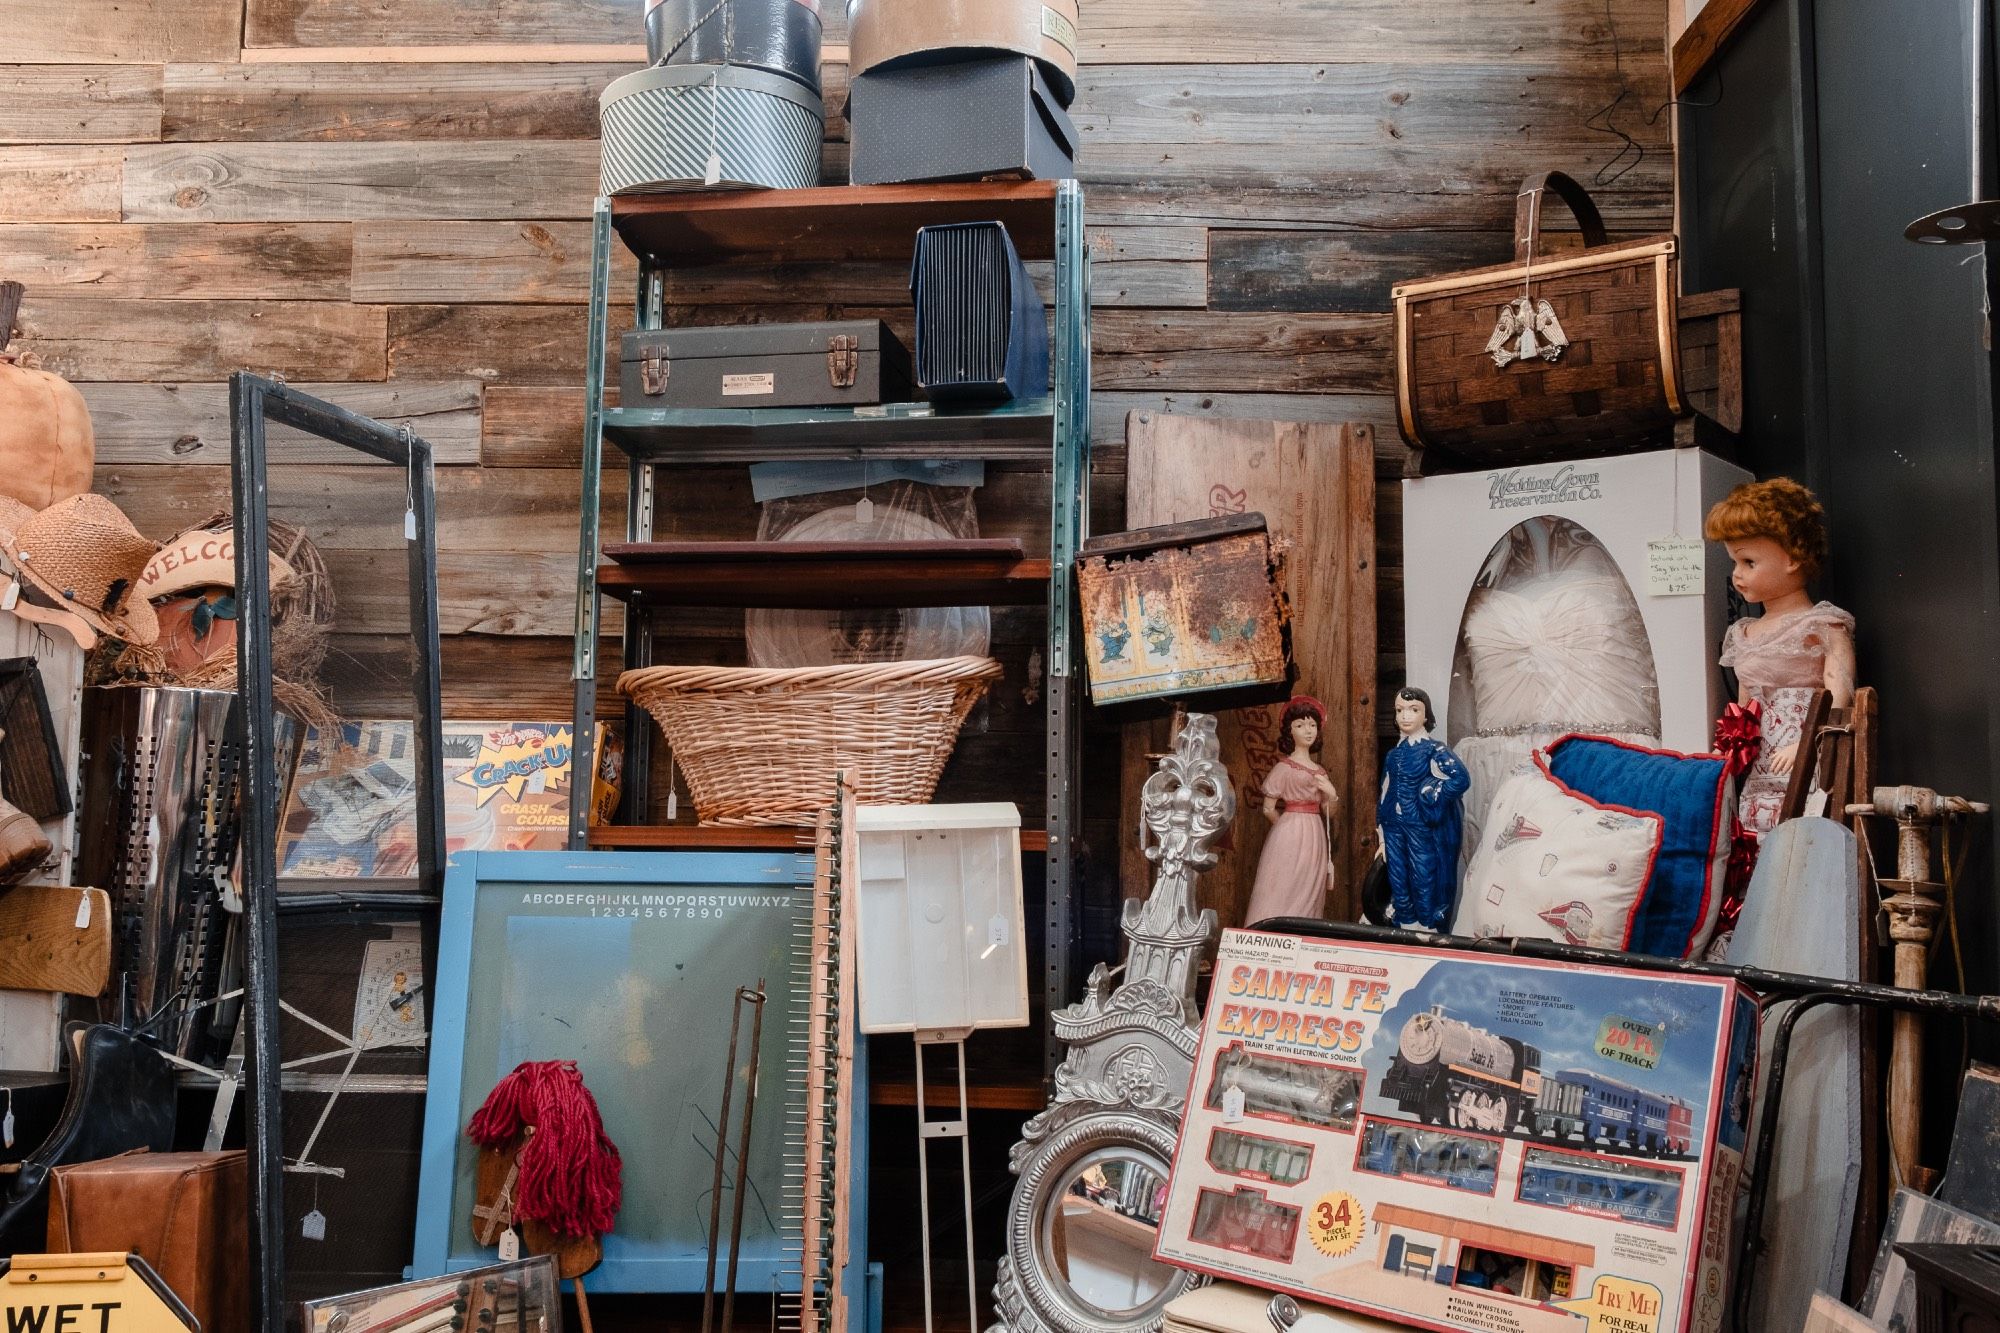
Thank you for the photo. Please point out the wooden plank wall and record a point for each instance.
(388, 202)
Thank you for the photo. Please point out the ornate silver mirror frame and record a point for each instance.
(1093, 1165)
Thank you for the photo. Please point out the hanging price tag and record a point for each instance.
(313, 1225)
(510, 1245)
(83, 909)
(1232, 1105)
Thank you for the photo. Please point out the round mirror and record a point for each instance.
(1097, 1235)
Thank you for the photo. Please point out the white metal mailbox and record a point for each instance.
(938, 919)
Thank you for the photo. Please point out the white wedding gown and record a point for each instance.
(1552, 654)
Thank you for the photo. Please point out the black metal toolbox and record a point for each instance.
(858, 361)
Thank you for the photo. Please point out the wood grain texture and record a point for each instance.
(1336, 270)
(129, 31)
(188, 424)
(513, 262)
(1698, 43)
(437, 22)
(1245, 353)
(358, 102)
(79, 103)
(1314, 484)
(67, 184)
(43, 948)
(529, 426)
(339, 182)
(100, 338)
(179, 261)
(517, 344)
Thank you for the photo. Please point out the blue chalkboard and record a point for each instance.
(627, 963)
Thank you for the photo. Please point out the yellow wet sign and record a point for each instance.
(88, 1293)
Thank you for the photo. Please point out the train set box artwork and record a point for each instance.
(1464, 1141)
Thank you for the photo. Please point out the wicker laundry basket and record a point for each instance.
(761, 746)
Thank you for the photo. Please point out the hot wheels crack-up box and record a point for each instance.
(1464, 1141)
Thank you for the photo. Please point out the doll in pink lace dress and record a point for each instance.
(1775, 533)
(1293, 871)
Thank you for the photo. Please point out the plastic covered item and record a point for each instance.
(899, 511)
(782, 36)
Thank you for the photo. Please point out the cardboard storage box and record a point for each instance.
(927, 32)
(1463, 1141)
(353, 808)
(975, 120)
(1564, 597)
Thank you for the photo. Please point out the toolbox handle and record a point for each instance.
(1528, 213)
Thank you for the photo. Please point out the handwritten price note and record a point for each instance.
(1675, 567)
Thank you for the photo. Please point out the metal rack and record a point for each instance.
(836, 224)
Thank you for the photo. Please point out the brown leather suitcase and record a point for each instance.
(185, 1213)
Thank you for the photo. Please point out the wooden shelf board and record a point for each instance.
(1024, 428)
(1003, 1090)
(753, 575)
(668, 836)
(829, 223)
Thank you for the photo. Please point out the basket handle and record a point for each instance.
(1528, 213)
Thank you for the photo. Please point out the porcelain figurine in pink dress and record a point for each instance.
(1294, 869)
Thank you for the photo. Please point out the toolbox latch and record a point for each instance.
(843, 360)
(654, 370)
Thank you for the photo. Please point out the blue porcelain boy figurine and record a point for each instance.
(1418, 817)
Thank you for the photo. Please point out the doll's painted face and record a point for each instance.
(1763, 571)
(1409, 716)
(1305, 734)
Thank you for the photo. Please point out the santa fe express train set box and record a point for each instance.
(1465, 1142)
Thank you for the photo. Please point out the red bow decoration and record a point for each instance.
(1739, 736)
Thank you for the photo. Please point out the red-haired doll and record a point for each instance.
(1294, 867)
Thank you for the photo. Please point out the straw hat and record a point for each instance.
(81, 556)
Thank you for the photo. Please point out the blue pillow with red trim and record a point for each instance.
(1693, 795)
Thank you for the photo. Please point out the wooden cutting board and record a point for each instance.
(42, 948)
(1315, 485)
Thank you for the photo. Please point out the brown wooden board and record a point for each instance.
(188, 424)
(97, 338)
(514, 262)
(514, 344)
(1355, 31)
(339, 182)
(130, 31)
(43, 948)
(437, 22)
(376, 100)
(1339, 270)
(1315, 485)
(66, 184)
(78, 103)
(176, 261)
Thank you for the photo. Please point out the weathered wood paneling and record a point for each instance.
(515, 344)
(1242, 353)
(508, 262)
(533, 427)
(89, 33)
(438, 22)
(97, 338)
(179, 261)
(382, 101)
(338, 182)
(66, 184)
(189, 423)
(78, 103)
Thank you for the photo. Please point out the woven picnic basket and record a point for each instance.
(761, 746)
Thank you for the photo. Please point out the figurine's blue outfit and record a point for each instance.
(1422, 783)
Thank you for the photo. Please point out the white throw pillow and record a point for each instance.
(1552, 864)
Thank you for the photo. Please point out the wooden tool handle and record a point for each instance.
(1528, 213)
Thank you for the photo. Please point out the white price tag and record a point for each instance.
(996, 933)
(83, 909)
(7, 1130)
(510, 1245)
(1232, 1105)
(1676, 567)
(313, 1225)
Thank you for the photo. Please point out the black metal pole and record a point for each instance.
(260, 816)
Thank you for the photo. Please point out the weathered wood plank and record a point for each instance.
(71, 184)
(1249, 32)
(536, 596)
(627, 54)
(515, 262)
(517, 344)
(79, 103)
(128, 32)
(100, 338)
(188, 424)
(1375, 410)
(523, 677)
(338, 182)
(1243, 353)
(1401, 100)
(296, 102)
(1410, 199)
(226, 261)
(526, 426)
(438, 22)
(1344, 270)
(356, 507)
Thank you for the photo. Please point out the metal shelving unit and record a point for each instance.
(831, 225)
